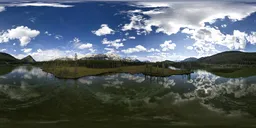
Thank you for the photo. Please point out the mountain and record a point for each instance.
(97, 57)
(28, 59)
(7, 58)
(130, 59)
(109, 57)
(190, 59)
(230, 57)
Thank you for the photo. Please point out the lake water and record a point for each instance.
(30, 97)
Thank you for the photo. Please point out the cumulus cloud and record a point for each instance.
(22, 33)
(170, 17)
(115, 43)
(40, 4)
(78, 44)
(138, 48)
(104, 30)
(168, 45)
(153, 50)
(252, 38)
(137, 23)
(85, 46)
(207, 38)
(26, 50)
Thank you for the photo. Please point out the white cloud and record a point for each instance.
(236, 41)
(223, 25)
(162, 56)
(188, 31)
(26, 50)
(168, 45)
(22, 33)
(92, 50)
(51, 54)
(252, 38)
(104, 30)
(115, 43)
(3, 50)
(47, 33)
(2, 8)
(152, 4)
(75, 40)
(33, 19)
(153, 50)
(207, 38)
(189, 47)
(137, 23)
(85, 46)
(176, 15)
(78, 44)
(58, 37)
(138, 48)
(110, 50)
(132, 37)
(39, 4)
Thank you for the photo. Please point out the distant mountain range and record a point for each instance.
(109, 57)
(230, 57)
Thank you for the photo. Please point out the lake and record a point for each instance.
(30, 97)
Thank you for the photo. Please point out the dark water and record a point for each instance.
(30, 97)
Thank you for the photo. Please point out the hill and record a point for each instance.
(28, 59)
(7, 58)
(230, 57)
(190, 59)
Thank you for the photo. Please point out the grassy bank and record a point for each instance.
(77, 72)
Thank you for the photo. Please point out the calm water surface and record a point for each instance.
(30, 97)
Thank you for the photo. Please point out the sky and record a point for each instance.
(153, 31)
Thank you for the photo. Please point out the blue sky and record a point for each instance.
(152, 31)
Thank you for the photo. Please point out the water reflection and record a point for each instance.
(199, 98)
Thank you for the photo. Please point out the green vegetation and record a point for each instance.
(6, 58)
(231, 57)
(233, 72)
(6, 69)
(77, 72)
